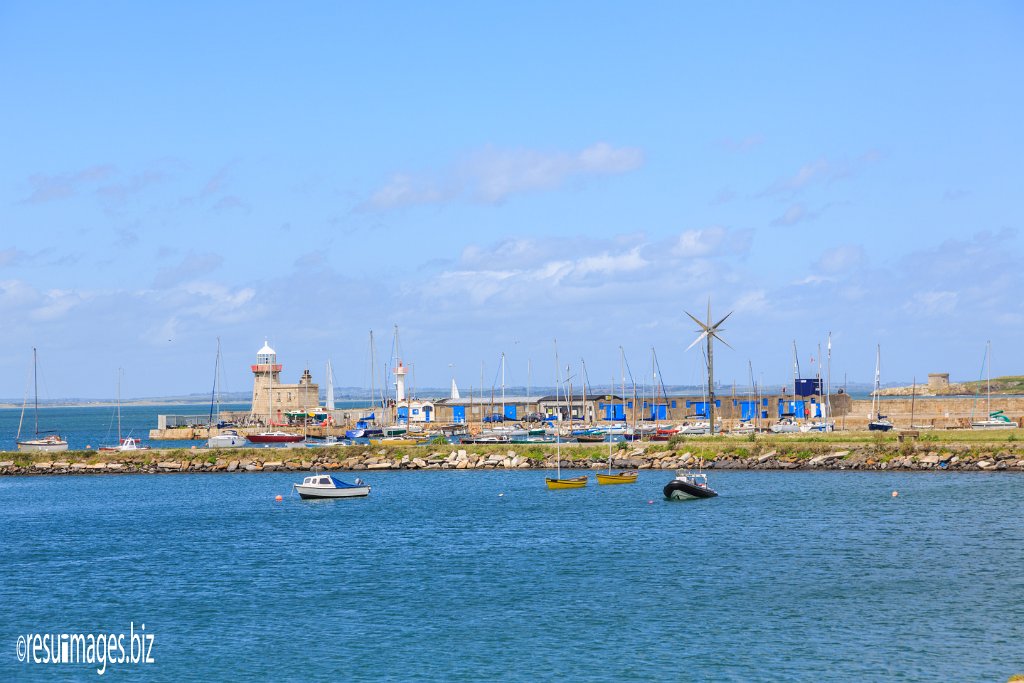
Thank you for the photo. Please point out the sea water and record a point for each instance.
(89, 427)
(487, 575)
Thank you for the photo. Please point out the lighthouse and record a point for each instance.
(266, 373)
(400, 372)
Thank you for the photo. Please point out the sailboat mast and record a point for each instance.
(119, 406)
(503, 386)
(558, 429)
(35, 387)
(988, 363)
(828, 384)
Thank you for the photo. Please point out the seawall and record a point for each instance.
(775, 455)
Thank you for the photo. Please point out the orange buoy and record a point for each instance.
(895, 493)
(279, 498)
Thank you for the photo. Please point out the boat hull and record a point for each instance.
(879, 426)
(225, 441)
(619, 478)
(42, 446)
(993, 424)
(573, 483)
(317, 492)
(681, 490)
(280, 437)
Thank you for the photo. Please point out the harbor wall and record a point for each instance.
(772, 454)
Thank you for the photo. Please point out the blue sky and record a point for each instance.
(492, 177)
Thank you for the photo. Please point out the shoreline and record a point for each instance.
(803, 456)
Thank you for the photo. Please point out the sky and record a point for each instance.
(493, 177)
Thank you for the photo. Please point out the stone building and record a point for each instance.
(938, 382)
(271, 399)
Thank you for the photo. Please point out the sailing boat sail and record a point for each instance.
(51, 443)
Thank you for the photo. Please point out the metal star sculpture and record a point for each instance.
(709, 332)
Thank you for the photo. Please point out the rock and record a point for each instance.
(930, 459)
(42, 465)
(272, 465)
(7, 463)
(986, 465)
(765, 457)
(169, 465)
(419, 462)
(462, 464)
(379, 466)
(96, 467)
(232, 466)
(116, 466)
(252, 468)
(462, 453)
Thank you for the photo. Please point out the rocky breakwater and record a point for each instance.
(769, 456)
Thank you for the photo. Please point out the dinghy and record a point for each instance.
(689, 485)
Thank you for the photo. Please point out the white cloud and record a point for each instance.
(932, 303)
(491, 175)
(840, 259)
(797, 213)
(713, 241)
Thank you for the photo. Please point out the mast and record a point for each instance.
(373, 371)
(329, 400)
(35, 388)
(119, 406)
(558, 429)
(583, 380)
(502, 386)
(828, 386)
(988, 363)
(913, 395)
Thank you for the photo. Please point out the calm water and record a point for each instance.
(84, 427)
(785, 576)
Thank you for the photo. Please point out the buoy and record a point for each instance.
(895, 493)
(279, 498)
(650, 502)
(500, 495)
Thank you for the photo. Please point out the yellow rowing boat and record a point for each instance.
(619, 478)
(574, 483)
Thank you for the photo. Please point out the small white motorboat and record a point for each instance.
(329, 486)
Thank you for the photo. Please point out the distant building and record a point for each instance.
(938, 382)
(271, 399)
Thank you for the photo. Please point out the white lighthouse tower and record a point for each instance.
(400, 372)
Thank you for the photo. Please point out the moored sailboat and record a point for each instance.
(880, 423)
(996, 419)
(48, 443)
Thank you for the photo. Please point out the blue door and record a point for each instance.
(510, 412)
(459, 414)
(403, 415)
(659, 411)
(427, 412)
